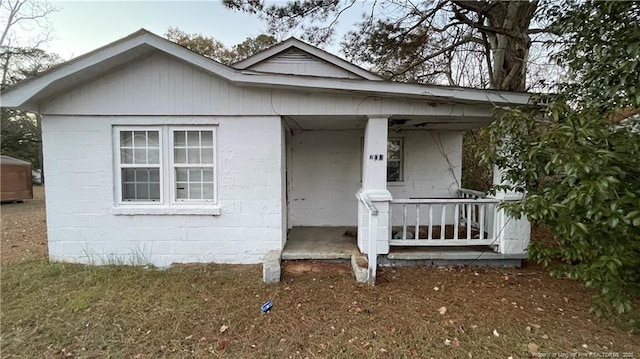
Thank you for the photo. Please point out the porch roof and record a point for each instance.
(30, 92)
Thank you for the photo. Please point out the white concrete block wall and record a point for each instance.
(513, 234)
(382, 245)
(433, 164)
(80, 196)
(326, 172)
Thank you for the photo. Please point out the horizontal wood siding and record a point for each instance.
(297, 62)
(162, 85)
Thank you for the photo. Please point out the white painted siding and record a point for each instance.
(296, 62)
(161, 85)
(326, 170)
(80, 196)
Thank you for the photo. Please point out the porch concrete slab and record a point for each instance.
(320, 243)
(448, 253)
(442, 256)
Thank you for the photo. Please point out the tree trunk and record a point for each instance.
(510, 46)
(40, 152)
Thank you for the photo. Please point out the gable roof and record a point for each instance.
(293, 45)
(28, 93)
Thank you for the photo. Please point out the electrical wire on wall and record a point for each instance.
(440, 147)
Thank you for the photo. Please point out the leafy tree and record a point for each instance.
(18, 63)
(20, 134)
(473, 43)
(251, 46)
(578, 154)
(204, 45)
(20, 57)
(214, 49)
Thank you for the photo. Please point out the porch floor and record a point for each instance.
(320, 243)
(333, 243)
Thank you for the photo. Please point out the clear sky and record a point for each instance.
(81, 26)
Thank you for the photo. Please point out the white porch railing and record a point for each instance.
(467, 221)
(372, 255)
(470, 193)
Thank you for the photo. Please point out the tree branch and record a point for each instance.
(433, 55)
(484, 28)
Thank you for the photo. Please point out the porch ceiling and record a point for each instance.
(310, 123)
(339, 123)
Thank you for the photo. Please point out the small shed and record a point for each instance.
(16, 180)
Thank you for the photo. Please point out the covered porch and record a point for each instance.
(341, 201)
(469, 236)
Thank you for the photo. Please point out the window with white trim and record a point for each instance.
(140, 165)
(395, 154)
(165, 165)
(192, 164)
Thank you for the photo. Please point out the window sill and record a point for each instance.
(395, 183)
(166, 211)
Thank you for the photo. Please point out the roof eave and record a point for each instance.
(21, 94)
(25, 94)
(394, 89)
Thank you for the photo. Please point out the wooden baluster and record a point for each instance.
(404, 222)
(469, 208)
(456, 221)
(481, 220)
(430, 234)
(417, 234)
(443, 223)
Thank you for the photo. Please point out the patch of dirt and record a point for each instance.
(24, 229)
(303, 267)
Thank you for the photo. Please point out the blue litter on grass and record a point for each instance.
(266, 307)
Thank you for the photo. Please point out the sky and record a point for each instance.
(82, 26)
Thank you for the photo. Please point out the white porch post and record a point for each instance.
(374, 185)
(513, 234)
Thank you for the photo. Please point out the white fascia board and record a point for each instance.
(312, 50)
(20, 94)
(388, 88)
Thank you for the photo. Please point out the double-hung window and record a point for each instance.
(165, 166)
(140, 165)
(192, 163)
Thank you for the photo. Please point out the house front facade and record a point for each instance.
(155, 154)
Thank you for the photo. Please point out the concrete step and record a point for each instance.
(360, 266)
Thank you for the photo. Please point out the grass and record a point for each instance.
(55, 310)
(58, 310)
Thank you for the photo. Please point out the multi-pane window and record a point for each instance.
(140, 166)
(165, 164)
(193, 165)
(394, 160)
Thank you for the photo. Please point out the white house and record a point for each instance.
(158, 154)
